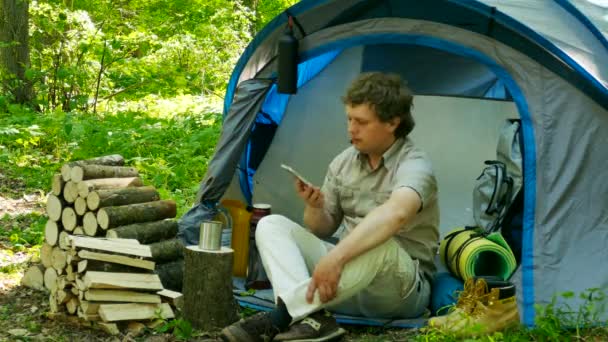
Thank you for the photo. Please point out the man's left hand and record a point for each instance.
(325, 279)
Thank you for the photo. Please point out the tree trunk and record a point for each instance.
(111, 217)
(146, 233)
(167, 250)
(171, 274)
(14, 48)
(208, 300)
(114, 197)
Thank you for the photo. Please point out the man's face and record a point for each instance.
(368, 134)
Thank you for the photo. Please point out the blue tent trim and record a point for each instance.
(584, 20)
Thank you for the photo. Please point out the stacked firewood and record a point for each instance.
(110, 252)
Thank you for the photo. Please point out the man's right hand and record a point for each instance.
(310, 194)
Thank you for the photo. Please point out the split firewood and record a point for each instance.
(78, 231)
(110, 246)
(109, 328)
(72, 305)
(51, 232)
(84, 172)
(114, 159)
(61, 283)
(34, 277)
(85, 187)
(147, 232)
(167, 250)
(111, 217)
(102, 295)
(171, 274)
(46, 255)
(108, 280)
(176, 299)
(70, 275)
(132, 311)
(80, 206)
(63, 296)
(53, 307)
(70, 191)
(115, 197)
(88, 317)
(50, 279)
(57, 184)
(117, 259)
(69, 219)
(75, 291)
(96, 265)
(54, 207)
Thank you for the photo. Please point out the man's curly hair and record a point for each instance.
(387, 95)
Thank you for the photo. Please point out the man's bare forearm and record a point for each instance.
(319, 221)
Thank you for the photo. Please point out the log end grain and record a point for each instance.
(54, 206)
(51, 232)
(103, 219)
(76, 174)
(69, 219)
(89, 224)
(65, 172)
(93, 200)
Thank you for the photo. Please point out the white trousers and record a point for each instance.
(384, 282)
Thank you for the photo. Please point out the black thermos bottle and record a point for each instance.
(288, 61)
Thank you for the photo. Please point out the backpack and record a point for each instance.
(498, 191)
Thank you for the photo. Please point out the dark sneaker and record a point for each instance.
(319, 326)
(257, 328)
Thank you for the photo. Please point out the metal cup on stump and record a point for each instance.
(207, 289)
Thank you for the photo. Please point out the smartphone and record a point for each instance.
(296, 174)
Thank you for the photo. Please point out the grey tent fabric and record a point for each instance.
(236, 128)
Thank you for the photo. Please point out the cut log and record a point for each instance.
(46, 255)
(84, 172)
(111, 217)
(117, 259)
(168, 250)
(57, 184)
(171, 274)
(34, 277)
(101, 295)
(61, 283)
(64, 241)
(110, 280)
(50, 279)
(110, 246)
(176, 299)
(70, 191)
(114, 159)
(208, 298)
(80, 285)
(147, 232)
(95, 265)
(54, 207)
(75, 291)
(79, 231)
(63, 296)
(69, 219)
(115, 197)
(53, 307)
(51, 232)
(131, 311)
(109, 328)
(88, 317)
(59, 258)
(70, 275)
(89, 223)
(85, 187)
(80, 206)
(89, 308)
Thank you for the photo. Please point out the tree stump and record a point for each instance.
(207, 288)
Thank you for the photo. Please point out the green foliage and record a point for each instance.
(181, 329)
(23, 231)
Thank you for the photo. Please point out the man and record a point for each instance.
(383, 191)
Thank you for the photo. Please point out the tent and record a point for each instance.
(471, 64)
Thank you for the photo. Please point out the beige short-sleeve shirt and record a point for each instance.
(352, 189)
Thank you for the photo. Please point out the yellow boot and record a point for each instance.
(465, 305)
(493, 310)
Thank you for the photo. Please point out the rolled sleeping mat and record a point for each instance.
(467, 253)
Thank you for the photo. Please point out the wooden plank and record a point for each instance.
(117, 259)
(120, 296)
(131, 311)
(110, 246)
(115, 280)
(172, 297)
